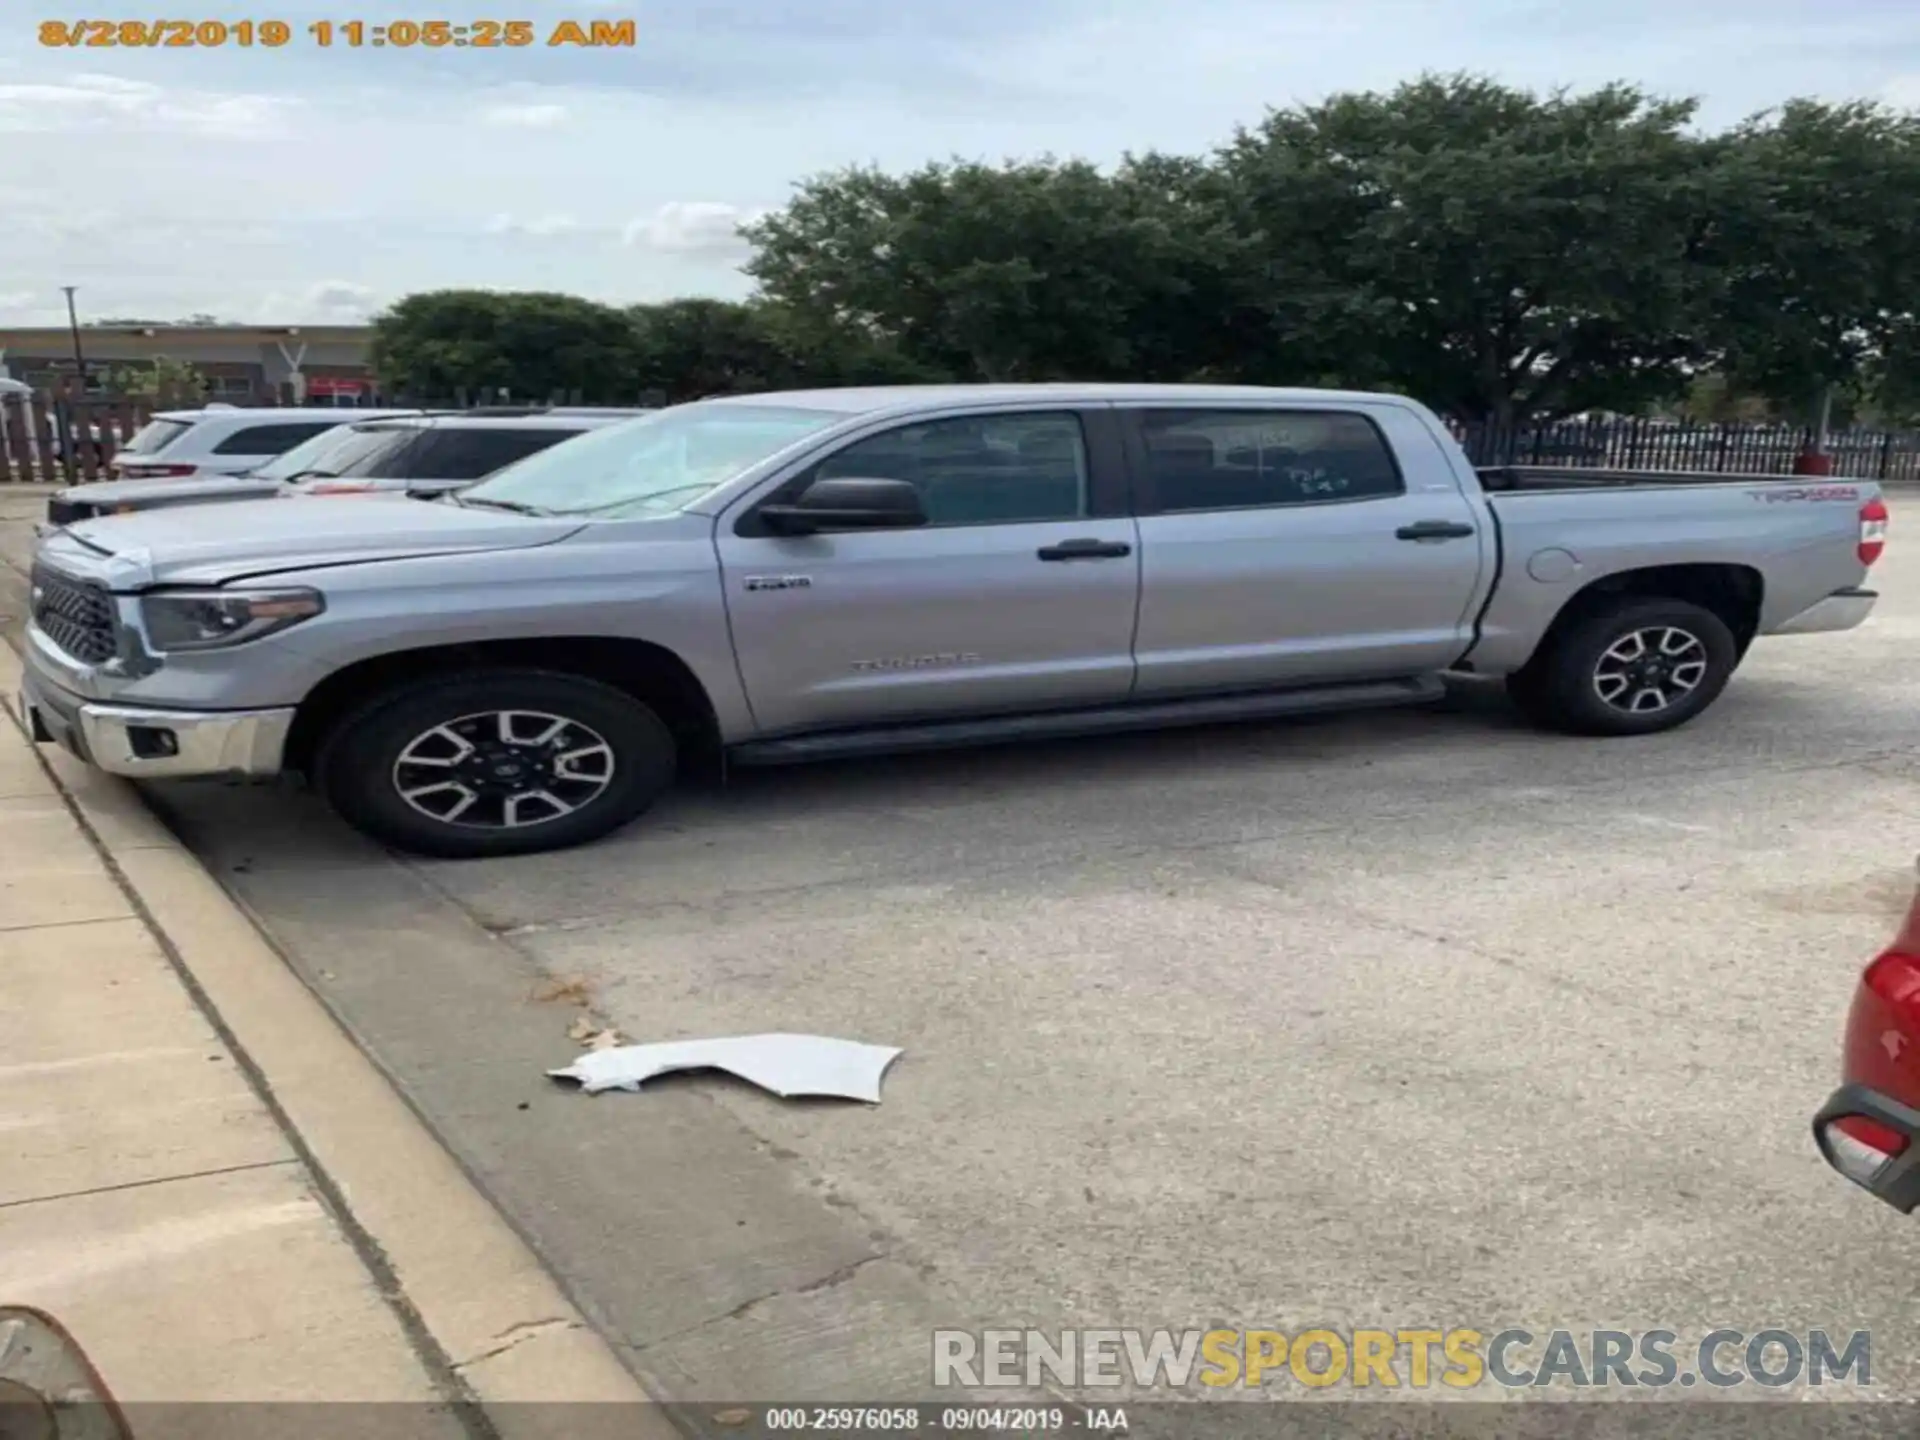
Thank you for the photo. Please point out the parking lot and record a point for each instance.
(1417, 1018)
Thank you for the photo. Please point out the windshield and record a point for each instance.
(654, 465)
(343, 450)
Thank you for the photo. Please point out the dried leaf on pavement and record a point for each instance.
(587, 1031)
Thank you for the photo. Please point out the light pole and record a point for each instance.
(73, 327)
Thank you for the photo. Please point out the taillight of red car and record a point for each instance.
(1873, 530)
(1882, 1052)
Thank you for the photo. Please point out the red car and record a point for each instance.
(1869, 1129)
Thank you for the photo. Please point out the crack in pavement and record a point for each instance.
(516, 1335)
(826, 1282)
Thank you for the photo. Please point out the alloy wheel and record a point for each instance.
(1649, 670)
(504, 769)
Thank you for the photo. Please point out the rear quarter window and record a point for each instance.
(271, 439)
(155, 436)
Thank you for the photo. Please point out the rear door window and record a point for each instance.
(271, 439)
(155, 436)
(1240, 460)
(461, 454)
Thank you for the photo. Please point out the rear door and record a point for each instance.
(1298, 546)
(1019, 594)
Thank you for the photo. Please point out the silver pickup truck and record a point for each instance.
(820, 574)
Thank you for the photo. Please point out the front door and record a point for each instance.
(1018, 594)
(1299, 547)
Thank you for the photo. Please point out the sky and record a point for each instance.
(307, 184)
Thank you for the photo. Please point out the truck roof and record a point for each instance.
(868, 399)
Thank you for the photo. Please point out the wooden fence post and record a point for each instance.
(82, 419)
(17, 462)
(44, 432)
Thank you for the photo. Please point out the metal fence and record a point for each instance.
(1650, 444)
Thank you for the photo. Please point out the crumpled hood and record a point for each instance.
(212, 544)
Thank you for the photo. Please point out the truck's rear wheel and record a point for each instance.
(1634, 668)
(501, 762)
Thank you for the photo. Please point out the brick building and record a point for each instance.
(242, 363)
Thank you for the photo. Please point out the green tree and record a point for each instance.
(532, 344)
(691, 348)
(1497, 253)
(1041, 270)
(1712, 398)
(1818, 254)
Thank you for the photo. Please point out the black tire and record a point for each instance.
(361, 769)
(1563, 687)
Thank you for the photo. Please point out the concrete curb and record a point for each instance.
(461, 1279)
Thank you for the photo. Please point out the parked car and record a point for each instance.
(223, 441)
(1869, 1129)
(833, 573)
(418, 452)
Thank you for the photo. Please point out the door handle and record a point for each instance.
(1086, 550)
(1434, 530)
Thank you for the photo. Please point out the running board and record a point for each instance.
(1107, 720)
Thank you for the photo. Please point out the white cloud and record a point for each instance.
(92, 103)
(1902, 91)
(530, 116)
(540, 227)
(342, 298)
(693, 227)
(325, 302)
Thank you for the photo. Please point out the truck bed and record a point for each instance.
(1509, 479)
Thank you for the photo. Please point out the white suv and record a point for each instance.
(206, 443)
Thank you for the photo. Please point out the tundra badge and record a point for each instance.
(921, 662)
(779, 582)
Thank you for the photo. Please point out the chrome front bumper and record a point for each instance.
(148, 744)
(1842, 610)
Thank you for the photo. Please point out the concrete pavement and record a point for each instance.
(206, 1181)
(144, 1173)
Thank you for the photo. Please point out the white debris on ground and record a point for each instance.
(786, 1065)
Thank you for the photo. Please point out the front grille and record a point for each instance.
(76, 616)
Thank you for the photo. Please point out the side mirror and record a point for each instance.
(848, 504)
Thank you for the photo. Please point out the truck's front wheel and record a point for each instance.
(500, 762)
(1636, 667)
